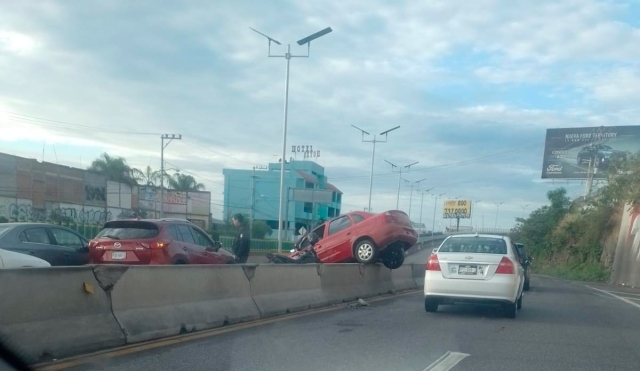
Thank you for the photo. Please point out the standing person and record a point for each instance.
(241, 242)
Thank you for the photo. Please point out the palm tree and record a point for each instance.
(148, 176)
(114, 168)
(182, 182)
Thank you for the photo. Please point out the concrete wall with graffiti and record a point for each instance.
(626, 263)
(40, 191)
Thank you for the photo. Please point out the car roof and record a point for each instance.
(23, 224)
(157, 221)
(477, 235)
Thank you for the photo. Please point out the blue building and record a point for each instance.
(256, 193)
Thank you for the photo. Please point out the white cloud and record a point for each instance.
(15, 42)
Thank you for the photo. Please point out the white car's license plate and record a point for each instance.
(467, 269)
(118, 255)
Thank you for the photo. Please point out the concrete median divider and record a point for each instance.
(279, 289)
(50, 313)
(158, 301)
(418, 274)
(402, 278)
(346, 282)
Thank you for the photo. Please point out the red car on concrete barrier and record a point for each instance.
(361, 237)
(161, 241)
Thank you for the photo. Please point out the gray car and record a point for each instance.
(55, 244)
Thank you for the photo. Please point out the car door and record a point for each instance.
(208, 257)
(37, 242)
(71, 245)
(193, 251)
(336, 246)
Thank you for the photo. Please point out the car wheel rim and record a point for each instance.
(365, 251)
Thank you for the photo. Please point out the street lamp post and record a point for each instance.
(414, 184)
(435, 204)
(393, 167)
(524, 207)
(422, 201)
(373, 153)
(473, 208)
(164, 137)
(497, 208)
(307, 40)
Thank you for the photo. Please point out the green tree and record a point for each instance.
(260, 229)
(114, 168)
(184, 183)
(148, 176)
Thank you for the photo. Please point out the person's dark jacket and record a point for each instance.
(241, 244)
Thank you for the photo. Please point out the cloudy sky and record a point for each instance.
(473, 85)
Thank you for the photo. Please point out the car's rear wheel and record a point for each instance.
(365, 252)
(519, 306)
(393, 257)
(511, 309)
(430, 305)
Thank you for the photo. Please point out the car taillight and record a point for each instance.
(389, 217)
(433, 264)
(155, 245)
(505, 266)
(92, 244)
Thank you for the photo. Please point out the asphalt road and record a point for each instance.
(563, 326)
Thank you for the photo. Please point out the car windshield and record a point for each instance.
(479, 245)
(4, 229)
(129, 231)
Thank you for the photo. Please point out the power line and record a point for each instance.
(200, 147)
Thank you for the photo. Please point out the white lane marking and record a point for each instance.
(617, 297)
(447, 361)
(624, 293)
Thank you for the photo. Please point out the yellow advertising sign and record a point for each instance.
(454, 209)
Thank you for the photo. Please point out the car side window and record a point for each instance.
(339, 224)
(201, 239)
(186, 234)
(173, 232)
(357, 218)
(320, 231)
(36, 235)
(66, 238)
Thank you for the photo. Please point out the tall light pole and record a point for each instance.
(164, 137)
(435, 204)
(393, 167)
(524, 207)
(422, 200)
(414, 184)
(307, 40)
(473, 208)
(497, 208)
(373, 153)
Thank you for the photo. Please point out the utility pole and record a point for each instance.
(253, 197)
(435, 204)
(414, 184)
(373, 154)
(473, 208)
(497, 208)
(587, 188)
(399, 171)
(524, 207)
(164, 137)
(307, 40)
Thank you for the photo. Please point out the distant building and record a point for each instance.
(257, 193)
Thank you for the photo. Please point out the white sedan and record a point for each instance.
(474, 268)
(10, 259)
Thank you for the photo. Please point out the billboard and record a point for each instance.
(454, 209)
(569, 151)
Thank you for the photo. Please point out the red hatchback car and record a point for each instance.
(162, 241)
(365, 238)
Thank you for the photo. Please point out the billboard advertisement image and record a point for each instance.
(454, 209)
(569, 151)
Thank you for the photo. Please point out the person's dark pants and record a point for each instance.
(242, 259)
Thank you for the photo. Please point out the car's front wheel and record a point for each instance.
(365, 252)
(393, 257)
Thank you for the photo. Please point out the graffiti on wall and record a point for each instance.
(92, 193)
(26, 213)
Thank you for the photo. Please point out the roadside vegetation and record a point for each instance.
(576, 240)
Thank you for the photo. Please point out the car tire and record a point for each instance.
(430, 305)
(365, 252)
(519, 302)
(393, 257)
(526, 285)
(511, 309)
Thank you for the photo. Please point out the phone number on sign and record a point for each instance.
(456, 213)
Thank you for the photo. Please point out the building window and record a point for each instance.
(308, 207)
(308, 185)
(332, 212)
(339, 198)
(334, 197)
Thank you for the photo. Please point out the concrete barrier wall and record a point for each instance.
(51, 314)
(158, 301)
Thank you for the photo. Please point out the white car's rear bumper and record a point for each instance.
(500, 288)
